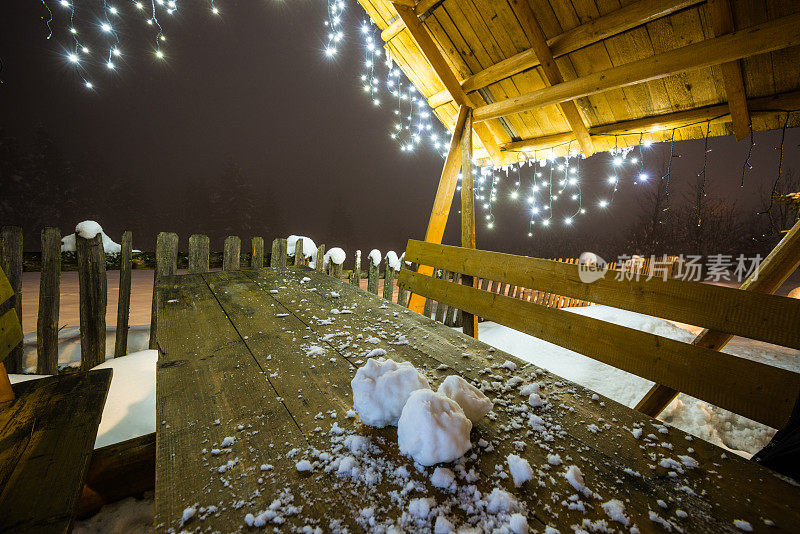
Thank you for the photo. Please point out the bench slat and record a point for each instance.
(10, 333)
(764, 317)
(47, 434)
(753, 389)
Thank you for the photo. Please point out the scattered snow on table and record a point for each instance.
(472, 400)
(381, 388)
(433, 428)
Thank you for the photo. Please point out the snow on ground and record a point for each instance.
(691, 415)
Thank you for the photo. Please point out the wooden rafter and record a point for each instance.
(766, 37)
(614, 23)
(722, 21)
(538, 42)
(439, 65)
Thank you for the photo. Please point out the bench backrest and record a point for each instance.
(753, 389)
(10, 334)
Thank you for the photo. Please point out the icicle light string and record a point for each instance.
(746, 165)
(701, 193)
(768, 211)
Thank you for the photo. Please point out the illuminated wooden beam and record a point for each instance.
(767, 37)
(538, 41)
(613, 23)
(722, 21)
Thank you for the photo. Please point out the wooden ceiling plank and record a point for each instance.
(772, 35)
(538, 43)
(614, 23)
(437, 61)
(722, 22)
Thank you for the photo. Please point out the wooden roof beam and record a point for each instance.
(767, 37)
(722, 21)
(613, 23)
(439, 65)
(538, 41)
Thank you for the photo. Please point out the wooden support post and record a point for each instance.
(721, 16)
(356, 279)
(388, 283)
(278, 256)
(373, 276)
(166, 265)
(49, 301)
(773, 271)
(442, 202)
(199, 246)
(470, 322)
(11, 263)
(232, 253)
(299, 255)
(124, 302)
(257, 257)
(93, 287)
(319, 264)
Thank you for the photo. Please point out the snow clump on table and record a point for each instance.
(472, 400)
(381, 388)
(433, 428)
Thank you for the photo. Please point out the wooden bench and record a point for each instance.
(750, 388)
(47, 431)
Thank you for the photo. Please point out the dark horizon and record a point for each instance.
(153, 142)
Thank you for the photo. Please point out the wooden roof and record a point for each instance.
(546, 77)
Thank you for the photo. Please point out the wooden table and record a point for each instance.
(237, 359)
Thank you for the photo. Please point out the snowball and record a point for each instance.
(309, 248)
(616, 511)
(375, 257)
(520, 469)
(443, 477)
(518, 524)
(500, 501)
(393, 261)
(472, 400)
(433, 428)
(335, 255)
(575, 479)
(304, 465)
(381, 388)
(421, 507)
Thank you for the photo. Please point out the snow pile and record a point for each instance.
(472, 400)
(393, 261)
(433, 428)
(128, 516)
(87, 230)
(381, 389)
(335, 255)
(309, 248)
(375, 257)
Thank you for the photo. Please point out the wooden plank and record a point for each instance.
(278, 256)
(166, 265)
(231, 259)
(49, 301)
(319, 264)
(93, 287)
(768, 318)
(124, 301)
(470, 322)
(613, 23)
(47, 435)
(753, 389)
(199, 246)
(722, 21)
(11, 264)
(443, 200)
(184, 475)
(779, 264)
(772, 35)
(257, 256)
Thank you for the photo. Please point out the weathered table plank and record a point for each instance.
(46, 436)
(281, 333)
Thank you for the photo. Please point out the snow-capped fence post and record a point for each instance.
(166, 265)
(372, 280)
(11, 262)
(92, 289)
(388, 283)
(356, 277)
(278, 256)
(299, 259)
(319, 263)
(401, 295)
(231, 256)
(257, 257)
(336, 270)
(49, 302)
(124, 302)
(198, 254)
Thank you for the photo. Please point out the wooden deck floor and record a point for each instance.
(237, 360)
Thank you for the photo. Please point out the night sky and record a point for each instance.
(254, 86)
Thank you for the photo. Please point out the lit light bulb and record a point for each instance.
(568, 220)
(643, 177)
(138, 5)
(215, 10)
(64, 3)
(72, 57)
(110, 65)
(113, 10)
(634, 160)
(546, 222)
(514, 195)
(603, 203)
(647, 143)
(490, 225)
(612, 179)
(89, 85)
(116, 52)
(159, 54)
(617, 161)
(106, 27)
